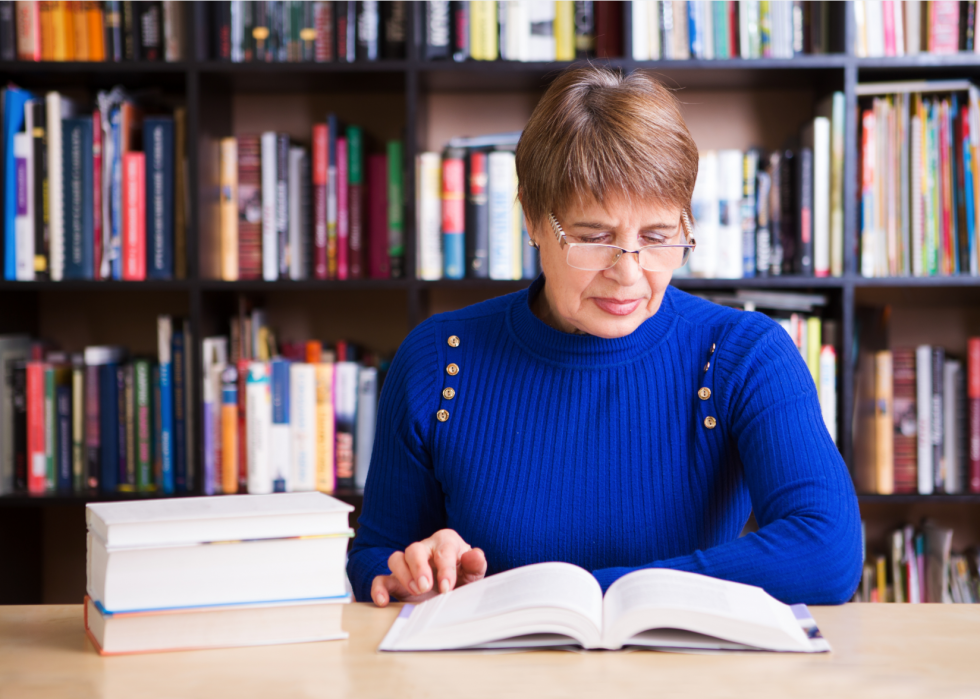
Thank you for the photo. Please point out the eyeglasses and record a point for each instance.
(596, 257)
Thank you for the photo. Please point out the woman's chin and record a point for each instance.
(611, 327)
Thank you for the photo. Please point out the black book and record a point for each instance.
(394, 23)
(260, 32)
(8, 32)
(18, 395)
(584, 29)
(276, 48)
(179, 351)
(151, 31)
(367, 30)
(221, 31)
(306, 212)
(459, 32)
(804, 212)
(436, 28)
(344, 22)
(307, 33)
(477, 215)
(130, 31)
(122, 462)
(939, 464)
(41, 235)
(248, 31)
(282, 202)
(112, 20)
(787, 210)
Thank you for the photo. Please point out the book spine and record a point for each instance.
(396, 211)
(307, 32)
(302, 411)
(343, 209)
(165, 333)
(453, 214)
(93, 436)
(8, 32)
(296, 232)
(952, 370)
(28, 21)
(367, 406)
(180, 168)
(270, 241)
(356, 199)
(179, 384)
(394, 26)
(113, 31)
(50, 430)
(459, 41)
(585, 34)
(428, 208)
(501, 195)
(884, 424)
(763, 227)
(36, 459)
(821, 196)
(437, 29)
(173, 31)
(828, 389)
(78, 202)
(837, 185)
(157, 416)
(221, 30)
(377, 223)
(805, 215)
(64, 440)
(108, 428)
(345, 415)
(55, 186)
(905, 419)
(368, 21)
(78, 427)
(282, 204)
(923, 398)
(324, 25)
(332, 200)
(320, 157)
(280, 438)
(130, 32)
(158, 198)
(96, 199)
(750, 163)
(938, 452)
(151, 31)
(477, 215)
(229, 431)
(143, 423)
(124, 469)
(259, 418)
(22, 221)
(973, 399)
(229, 208)
(19, 422)
(134, 229)
(243, 444)
(260, 32)
(325, 437)
(250, 208)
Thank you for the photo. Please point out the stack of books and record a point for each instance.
(210, 573)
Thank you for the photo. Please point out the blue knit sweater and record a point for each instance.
(601, 453)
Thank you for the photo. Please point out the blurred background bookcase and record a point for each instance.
(732, 103)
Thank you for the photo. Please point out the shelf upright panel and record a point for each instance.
(851, 214)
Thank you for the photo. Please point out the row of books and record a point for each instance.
(920, 567)
(918, 421)
(760, 214)
(92, 31)
(719, 30)
(285, 217)
(920, 183)
(92, 196)
(521, 30)
(155, 582)
(911, 27)
(243, 31)
(470, 223)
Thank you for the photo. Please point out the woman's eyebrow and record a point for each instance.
(598, 226)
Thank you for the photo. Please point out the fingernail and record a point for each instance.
(413, 587)
(444, 585)
(423, 583)
(382, 599)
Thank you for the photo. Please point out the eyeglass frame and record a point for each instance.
(561, 237)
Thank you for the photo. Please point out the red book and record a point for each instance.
(97, 190)
(609, 29)
(905, 416)
(379, 265)
(28, 31)
(134, 217)
(320, 199)
(944, 26)
(734, 49)
(323, 25)
(249, 207)
(343, 212)
(973, 399)
(37, 462)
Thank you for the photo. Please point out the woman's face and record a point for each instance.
(614, 302)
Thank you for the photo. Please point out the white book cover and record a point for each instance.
(502, 195)
(913, 34)
(297, 222)
(237, 31)
(367, 411)
(504, 36)
(828, 389)
(541, 38)
(874, 24)
(270, 240)
(952, 436)
(429, 212)
(729, 214)
(707, 30)
(57, 108)
(23, 223)
(641, 30)
(704, 207)
(302, 414)
(860, 30)
(258, 423)
(653, 30)
(923, 404)
(821, 196)
(899, 23)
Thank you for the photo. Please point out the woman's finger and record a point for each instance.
(399, 569)
(472, 566)
(445, 558)
(417, 558)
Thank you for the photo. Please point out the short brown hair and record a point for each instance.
(598, 132)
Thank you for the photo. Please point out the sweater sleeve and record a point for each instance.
(808, 546)
(403, 501)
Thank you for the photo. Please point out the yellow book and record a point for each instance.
(564, 30)
(325, 480)
(228, 208)
(77, 14)
(884, 424)
(46, 12)
(483, 30)
(813, 344)
(62, 32)
(882, 579)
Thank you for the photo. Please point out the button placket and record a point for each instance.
(705, 393)
(452, 370)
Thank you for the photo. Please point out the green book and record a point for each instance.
(355, 155)
(720, 29)
(396, 223)
(78, 424)
(143, 425)
(50, 430)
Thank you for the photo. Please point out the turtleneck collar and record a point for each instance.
(543, 341)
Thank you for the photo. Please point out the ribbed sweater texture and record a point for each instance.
(562, 447)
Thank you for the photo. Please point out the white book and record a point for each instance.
(559, 604)
(23, 223)
(541, 37)
(899, 23)
(923, 404)
(641, 30)
(748, 27)
(270, 239)
(952, 370)
(367, 411)
(503, 33)
(875, 28)
(828, 389)
(704, 207)
(302, 414)
(653, 30)
(57, 108)
(913, 35)
(729, 214)
(181, 521)
(502, 195)
(237, 31)
(707, 30)
(297, 228)
(860, 30)
(214, 361)
(258, 423)
(821, 196)
(280, 431)
(429, 212)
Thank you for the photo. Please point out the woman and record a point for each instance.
(603, 417)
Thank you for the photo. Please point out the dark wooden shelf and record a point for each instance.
(258, 285)
(75, 285)
(786, 282)
(912, 498)
(353, 496)
(958, 280)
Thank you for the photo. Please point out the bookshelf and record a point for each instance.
(422, 102)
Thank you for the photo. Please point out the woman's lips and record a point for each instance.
(617, 307)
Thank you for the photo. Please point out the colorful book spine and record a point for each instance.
(50, 430)
(78, 425)
(396, 210)
(178, 380)
(259, 418)
(325, 438)
(303, 426)
(453, 213)
(158, 146)
(367, 406)
(22, 231)
(250, 209)
(320, 166)
(282, 204)
(750, 162)
(166, 483)
(476, 215)
(884, 424)
(228, 208)
(502, 188)
(923, 399)
(229, 431)
(428, 209)
(14, 100)
(143, 426)
(134, 216)
(79, 261)
(332, 194)
(379, 261)
(343, 210)
(270, 241)
(345, 414)
(36, 456)
(905, 419)
(356, 202)
(280, 437)
(939, 466)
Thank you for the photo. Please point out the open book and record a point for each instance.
(559, 604)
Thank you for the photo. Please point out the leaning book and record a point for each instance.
(561, 605)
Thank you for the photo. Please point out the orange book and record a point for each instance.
(314, 351)
(28, 31)
(78, 24)
(325, 476)
(94, 30)
(884, 424)
(229, 438)
(46, 12)
(62, 32)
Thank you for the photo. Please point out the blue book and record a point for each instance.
(64, 441)
(114, 226)
(971, 233)
(78, 198)
(109, 427)
(178, 380)
(122, 463)
(166, 448)
(695, 36)
(158, 145)
(280, 435)
(532, 264)
(13, 100)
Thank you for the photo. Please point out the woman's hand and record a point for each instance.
(443, 557)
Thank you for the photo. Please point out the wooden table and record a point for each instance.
(885, 650)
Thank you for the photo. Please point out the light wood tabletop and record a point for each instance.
(881, 650)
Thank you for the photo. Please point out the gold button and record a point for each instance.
(712, 348)
(442, 415)
(709, 422)
(452, 370)
(453, 341)
(704, 393)
(707, 365)
(448, 393)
